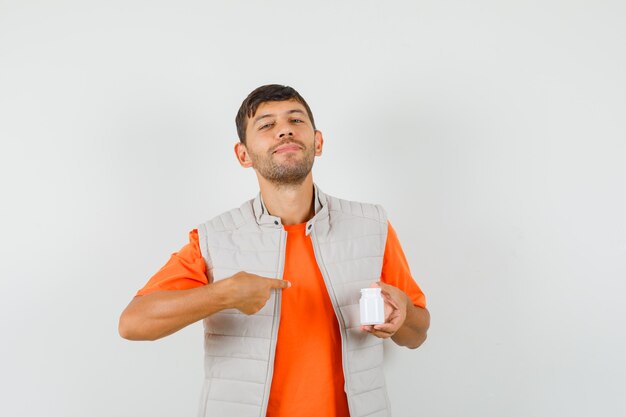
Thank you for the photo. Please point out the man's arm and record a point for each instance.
(159, 314)
(405, 323)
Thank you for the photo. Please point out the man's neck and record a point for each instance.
(293, 204)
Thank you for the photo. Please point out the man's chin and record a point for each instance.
(286, 177)
(288, 156)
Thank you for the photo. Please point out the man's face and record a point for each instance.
(281, 143)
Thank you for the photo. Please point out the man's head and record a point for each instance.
(277, 135)
(263, 94)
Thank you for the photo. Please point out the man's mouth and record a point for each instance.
(290, 147)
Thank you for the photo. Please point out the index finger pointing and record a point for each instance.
(280, 283)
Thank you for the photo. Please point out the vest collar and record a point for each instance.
(265, 219)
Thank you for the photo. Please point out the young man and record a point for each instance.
(277, 282)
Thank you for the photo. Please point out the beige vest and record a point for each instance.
(349, 243)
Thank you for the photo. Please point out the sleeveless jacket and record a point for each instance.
(349, 242)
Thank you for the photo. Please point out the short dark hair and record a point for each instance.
(265, 93)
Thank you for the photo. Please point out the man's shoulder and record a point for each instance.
(231, 219)
(354, 208)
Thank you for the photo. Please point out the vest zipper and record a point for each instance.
(342, 324)
(275, 324)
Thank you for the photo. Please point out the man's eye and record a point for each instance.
(297, 121)
(266, 126)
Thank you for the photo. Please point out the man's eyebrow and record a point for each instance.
(256, 119)
(263, 116)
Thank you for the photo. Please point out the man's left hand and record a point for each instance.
(395, 311)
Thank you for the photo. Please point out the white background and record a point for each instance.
(493, 132)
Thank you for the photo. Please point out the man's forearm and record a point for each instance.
(162, 313)
(413, 331)
(159, 314)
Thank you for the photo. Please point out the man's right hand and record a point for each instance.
(161, 313)
(247, 292)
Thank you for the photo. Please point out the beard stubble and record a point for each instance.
(290, 171)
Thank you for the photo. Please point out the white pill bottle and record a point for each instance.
(372, 306)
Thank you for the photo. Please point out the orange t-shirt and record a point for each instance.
(308, 374)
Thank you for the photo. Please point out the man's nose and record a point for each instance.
(285, 131)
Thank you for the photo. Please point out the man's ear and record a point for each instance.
(319, 143)
(241, 152)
